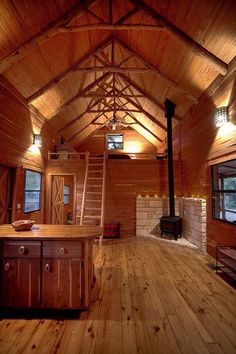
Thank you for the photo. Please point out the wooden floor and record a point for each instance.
(150, 297)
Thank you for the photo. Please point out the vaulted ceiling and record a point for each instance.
(80, 63)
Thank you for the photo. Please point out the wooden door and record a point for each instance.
(20, 282)
(5, 195)
(61, 283)
(57, 199)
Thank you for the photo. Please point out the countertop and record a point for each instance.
(43, 231)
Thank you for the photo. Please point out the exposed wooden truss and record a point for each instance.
(64, 25)
(44, 35)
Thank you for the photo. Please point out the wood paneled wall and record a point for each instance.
(68, 169)
(201, 144)
(133, 142)
(18, 123)
(125, 179)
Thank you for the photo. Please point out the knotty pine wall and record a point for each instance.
(133, 142)
(201, 144)
(125, 179)
(18, 122)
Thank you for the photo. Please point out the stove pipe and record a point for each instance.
(169, 113)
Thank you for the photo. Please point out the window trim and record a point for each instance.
(215, 191)
(107, 142)
(39, 191)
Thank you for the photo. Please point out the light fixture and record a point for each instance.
(37, 140)
(221, 116)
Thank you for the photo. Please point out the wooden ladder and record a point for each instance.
(92, 208)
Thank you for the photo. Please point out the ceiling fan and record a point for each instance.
(115, 123)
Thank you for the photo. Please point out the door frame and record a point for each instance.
(48, 210)
(11, 194)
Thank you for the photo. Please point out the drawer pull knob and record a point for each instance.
(62, 250)
(7, 266)
(47, 268)
(22, 250)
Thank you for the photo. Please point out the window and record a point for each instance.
(115, 141)
(66, 194)
(224, 191)
(33, 185)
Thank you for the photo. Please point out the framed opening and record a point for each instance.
(32, 192)
(223, 185)
(115, 141)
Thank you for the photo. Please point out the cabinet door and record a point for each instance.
(20, 282)
(61, 283)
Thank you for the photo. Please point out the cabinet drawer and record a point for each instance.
(62, 249)
(29, 249)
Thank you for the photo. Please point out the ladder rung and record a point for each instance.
(92, 216)
(94, 200)
(88, 208)
(97, 193)
(94, 185)
(95, 164)
(95, 178)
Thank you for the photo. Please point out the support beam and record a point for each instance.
(109, 27)
(144, 93)
(71, 122)
(44, 35)
(146, 113)
(114, 69)
(182, 37)
(77, 96)
(144, 127)
(67, 73)
(170, 82)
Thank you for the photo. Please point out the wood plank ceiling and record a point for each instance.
(80, 63)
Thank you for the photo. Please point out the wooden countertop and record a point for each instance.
(43, 231)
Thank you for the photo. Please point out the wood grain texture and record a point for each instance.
(150, 296)
(200, 144)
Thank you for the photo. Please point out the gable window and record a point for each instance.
(115, 142)
(66, 195)
(33, 187)
(224, 191)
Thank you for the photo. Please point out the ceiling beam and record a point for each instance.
(114, 69)
(146, 113)
(170, 82)
(67, 73)
(145, 93)
(85, 127)
(44, 35)
(144, 127)
(71, 122)
(77, 96)
(182, 37)
(109, 27)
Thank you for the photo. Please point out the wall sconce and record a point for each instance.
(221, 116)
(37, 140)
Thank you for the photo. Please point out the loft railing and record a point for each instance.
(66, 155)
(54, 156)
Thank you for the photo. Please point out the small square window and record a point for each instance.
(115, 142)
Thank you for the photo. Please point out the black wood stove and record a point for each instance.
(170, 224)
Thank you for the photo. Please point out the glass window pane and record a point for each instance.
(115, 141)
(32, 201)
(32, 180)
(66, 199)
(66, 190)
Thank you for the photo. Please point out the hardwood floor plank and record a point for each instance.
(149, 297)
